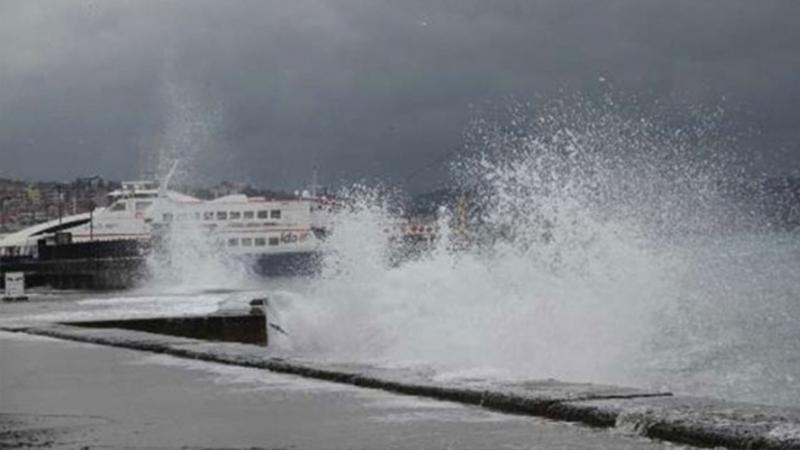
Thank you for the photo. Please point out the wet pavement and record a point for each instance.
(60, 394)
(56, 306)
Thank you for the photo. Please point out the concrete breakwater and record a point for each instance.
(661, 415)
(245, 329)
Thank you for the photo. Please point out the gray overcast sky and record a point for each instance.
(262, 90)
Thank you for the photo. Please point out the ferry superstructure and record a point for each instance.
(244, 225)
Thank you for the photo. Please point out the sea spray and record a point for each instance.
(186, 255)
(589, 242)
(570, 267)
(598, 244)
(192, 122)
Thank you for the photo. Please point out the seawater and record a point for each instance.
(735, 331)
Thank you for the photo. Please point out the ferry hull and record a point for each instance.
(288, 264)
(103, 265)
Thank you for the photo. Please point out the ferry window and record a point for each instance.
(120, 206)
(167, 217)
(197, 216)
(222, 215)
(141, 206)
(260, 242)
(233, 242)
(274, 241)
(248, 214)
(208, 215)
(235, 215)
(263, 214)
(275, 214)
(247, 242)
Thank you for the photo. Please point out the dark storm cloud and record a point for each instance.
(263, 90)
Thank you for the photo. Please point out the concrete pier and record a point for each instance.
(688, 420)
(653, 414)
(59, 394)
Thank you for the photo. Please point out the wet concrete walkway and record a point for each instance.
(61, 394)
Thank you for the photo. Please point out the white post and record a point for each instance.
(15, 287)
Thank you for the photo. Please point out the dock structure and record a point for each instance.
(101, 265)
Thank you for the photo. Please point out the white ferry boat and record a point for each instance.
(143, 212)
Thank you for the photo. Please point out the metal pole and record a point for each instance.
(60, 204)
(3, 217)
(91, 211)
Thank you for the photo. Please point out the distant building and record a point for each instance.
(27, 203)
